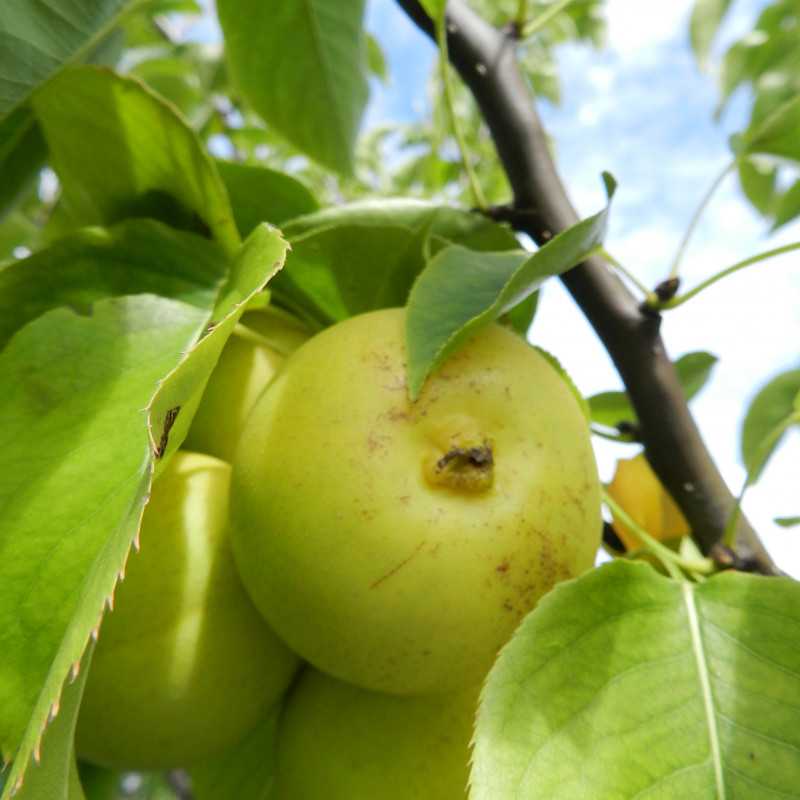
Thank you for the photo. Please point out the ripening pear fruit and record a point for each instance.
(339, 742)
(251, 357)
(184, 665)
(397, 545)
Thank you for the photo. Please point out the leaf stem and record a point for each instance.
(681, 299)
(522, 15)
(704, 202)
(673, 562)
(537, 24)
(444, 65)
(623, 270)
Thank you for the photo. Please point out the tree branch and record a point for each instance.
(486, 60)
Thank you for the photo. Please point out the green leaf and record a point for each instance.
(90, 401)
(260, 258)
(694, 370)
(246, 771)
(39, 39)
(444, 224)
(777, 134)
(259, 194)
(134, 257)
(787, 207)
(301, 65)
(16, 231)
(120, 152)
(22, 154)
(363, 256)
(55, 776)
(461, 291)
(757, 178)
(787, 522)
(766, 421)
(706, 18)
(376, 59)
(612, 408)
(624, 683)
(74, 475)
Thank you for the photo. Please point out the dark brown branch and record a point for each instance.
(485, 58)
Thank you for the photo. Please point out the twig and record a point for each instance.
(486, 61)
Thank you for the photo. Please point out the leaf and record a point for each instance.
(39, 39)
(612, 408)
(757, 180)
(787, 207)
(766, 419)
(376, 59)
(259, 259)
(86, 402)
(706, 18)
(461, 291)
(56, 776)
(74, 474)
(439, 222)
(637, 489)
(777, 134)
(787, 522)
(120, 152)
(259, 194)
(364, 256)
(246, 771)
(627, 684)
(134, 257)
(301, 65)
(22, 154)
(694, 370)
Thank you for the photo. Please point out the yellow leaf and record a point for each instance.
(636, 488)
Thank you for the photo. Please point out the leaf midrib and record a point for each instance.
(705, 686)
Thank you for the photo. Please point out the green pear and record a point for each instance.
(184, 665)
(339, 742)
(249, 361)
(403, 542)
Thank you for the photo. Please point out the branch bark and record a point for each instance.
(485, 58)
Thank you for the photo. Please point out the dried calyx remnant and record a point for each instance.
(465, 468)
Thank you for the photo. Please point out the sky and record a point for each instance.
(641, 109)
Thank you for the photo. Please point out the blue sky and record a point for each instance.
(641, 109)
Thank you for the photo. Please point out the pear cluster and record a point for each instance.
(327, 544)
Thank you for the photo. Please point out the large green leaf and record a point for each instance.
(74, 474)
(301, 64)
(612, 408)
(90, 402)
(37, 39)
(96, 262)
(22, 154)
(627, 684)
(120, 151)
(460, 290)
(769, 416)
(259, 194)
(363, 256)
(246, 771)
